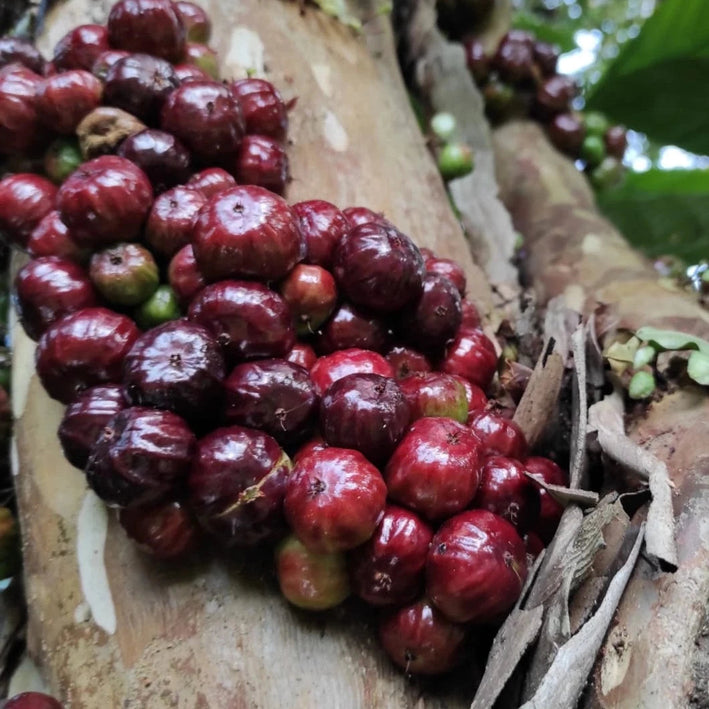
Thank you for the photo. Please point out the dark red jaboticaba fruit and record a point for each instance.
(32, 700)
(83, 349)
(206, 117)
(388, 569)
(80, 47)
(421, 641)
(142, 456)
(506, 490)
(64, 99)
(211, 181)
(262, 106)
(104, 201)
(20, 127)
(184, 276)
(25, 199)
(177, 366)
(435, 394)
(237, 485)
(550, 511)
(149, 26)
(378, 267)
(196, 21)
(171, 220)
(274, 396)
(335, 499)
(262, 161)
(85, 418)
(166, 530)
(435, 470)
(350, 327)
(476, 567)
(366, 412)
(499, 436)
(322, 225)
(51, 237)
(329, 368)
(472, 356)
(247, 232)
(14, 50)
(248, 319)
(48, 288)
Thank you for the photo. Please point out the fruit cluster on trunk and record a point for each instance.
(249, 372)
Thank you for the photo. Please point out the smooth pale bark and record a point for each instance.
(111, 628)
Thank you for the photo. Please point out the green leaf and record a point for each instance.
(698, 367)
(658, 82)
(672, 340)
(560, 33)
(662, 211)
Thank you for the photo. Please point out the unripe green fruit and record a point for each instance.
(608, 174)
(124, 274)
(593, 150)
(159, 308)
(443, 125)
(596, 123)
(641, 385)
(63, 156)
(455, 160)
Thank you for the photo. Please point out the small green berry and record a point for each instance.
(596, 123)
(63, 156)
(161, 307)
(643, 356)
(443, 125)
(455, 160)
(641, 385)
(608, 174)
(593, 150)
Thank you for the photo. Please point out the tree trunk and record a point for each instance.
(111, 628)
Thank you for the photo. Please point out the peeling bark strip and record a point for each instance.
(444, 80)
(606, 418)
(576, 254)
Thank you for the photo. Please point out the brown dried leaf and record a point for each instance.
(536, 406)
(579, 410)
(606, 418)
(568, 674)
(566, 495)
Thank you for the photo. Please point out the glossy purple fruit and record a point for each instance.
(262, 161)
(274, 396)
(350, 327)
(237, 484)
(435, 394)
(311, 294)
(407, 361)
(247, 232)
(389, 567)
(322, 225)
(80, 47)
(142, 456)
(140, 84)
(16, 50)
(476, 567)
(378, 267)
(421, 640)
(106, 200)
(177, 366)
(334, 499)
(166, 530)
(367, 412)
(160, 156)
(85, 419)
(196, 21)
(64, 99)
(432, 320)
(25, 199)
(206, 117)
(506, 490)
(184, 276)
(435, 468)
(172, 218)
(211, 181)
(262, 106)
(248, 319)
(20, 126)
(150, 26)
(47, 289)
(83, 349)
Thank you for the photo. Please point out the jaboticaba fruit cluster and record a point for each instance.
(252, 372)
(520, 79)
